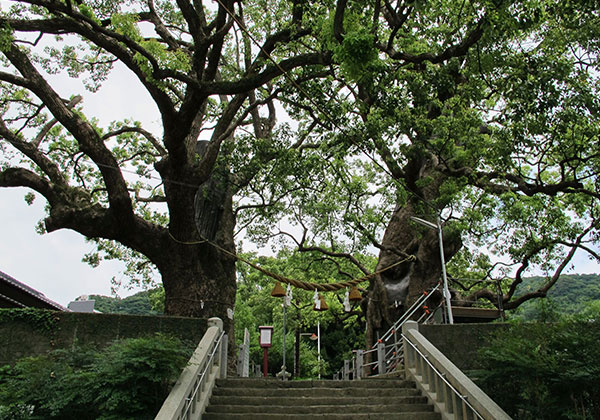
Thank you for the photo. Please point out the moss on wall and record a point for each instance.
(461, 342)
(28, 332)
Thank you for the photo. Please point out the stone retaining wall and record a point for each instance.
(461, 342)
(29, 335)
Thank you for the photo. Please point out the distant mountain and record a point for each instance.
(569, 295)
(138, 304)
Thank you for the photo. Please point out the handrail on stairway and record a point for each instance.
(190, 394)
(452, 393)
(389, 352)
(406, 315)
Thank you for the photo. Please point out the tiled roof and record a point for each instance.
(5, 278)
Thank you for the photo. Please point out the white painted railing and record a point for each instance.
(387, 353)
(452, 393)
(189, 397)
(243, 361)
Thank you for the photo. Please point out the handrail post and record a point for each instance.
(243, 359)
(381, 358)
(346, 369)
(409, 354)
(190, 394)
(359, 364)
(222, 353)
(223, 358)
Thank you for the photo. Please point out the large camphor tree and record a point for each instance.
(485, 114)
(213, 73)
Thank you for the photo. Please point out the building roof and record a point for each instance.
(14, 294)
(82, 306)
(474, 315)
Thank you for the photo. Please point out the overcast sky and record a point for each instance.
(51, 263)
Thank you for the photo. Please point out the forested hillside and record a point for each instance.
(138, 304)
(569, 295)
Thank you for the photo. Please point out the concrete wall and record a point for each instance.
(22, 336)
(461, 342)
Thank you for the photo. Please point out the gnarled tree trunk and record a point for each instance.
(393, 291)
(198, 264)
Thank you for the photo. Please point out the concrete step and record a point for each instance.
(274, 383)
(311, 392)
(417, 406)
(369, 416)
(297, 401)
(264, 399)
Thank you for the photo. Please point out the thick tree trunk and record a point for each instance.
(199, 281)
(198, 272)
(396, 289)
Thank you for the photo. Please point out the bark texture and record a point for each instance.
(396, 289)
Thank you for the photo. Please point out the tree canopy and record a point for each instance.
(212, 74)
(485, 115)
(482, 114)
(137, 304)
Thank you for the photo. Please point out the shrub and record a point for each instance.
(545, 370)
(127, 380)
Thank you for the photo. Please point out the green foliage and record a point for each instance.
(157, 299)
(340, 332)
(358, 54)
(553, 369)
(128, 379)
(6, 36)
(137, 304)
(126, 24)
(41, 319)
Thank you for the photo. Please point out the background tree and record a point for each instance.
(137, 304)
(341, 331)
(552, 367)
(212, 74)
(130, 378)
(485, 114)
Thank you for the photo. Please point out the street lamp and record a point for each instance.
(438, 227)
(311, 336)
(265, 340)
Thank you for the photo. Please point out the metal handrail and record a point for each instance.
(426, 317)
(442, 377)
(388, 357)
(415, 306)
(200, 381)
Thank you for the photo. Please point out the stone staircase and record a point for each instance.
(263, 399)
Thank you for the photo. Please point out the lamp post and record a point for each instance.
(283, 367)
(438, 227)
(279, 292)
(312, 336)
(319, 346)
(265, 341)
